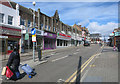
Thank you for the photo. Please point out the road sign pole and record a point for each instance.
(33, 51)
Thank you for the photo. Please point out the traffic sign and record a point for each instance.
(34, 38)
(33, 31)
(26, 36)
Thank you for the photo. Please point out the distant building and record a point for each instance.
(95, 38)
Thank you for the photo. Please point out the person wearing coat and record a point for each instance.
(14, 60)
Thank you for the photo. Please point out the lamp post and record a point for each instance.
(34, 27)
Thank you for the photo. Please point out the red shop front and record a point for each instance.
(10, 36)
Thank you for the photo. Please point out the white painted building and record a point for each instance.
(9, 26)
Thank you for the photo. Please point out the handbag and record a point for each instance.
(9, 73)
(3, 71)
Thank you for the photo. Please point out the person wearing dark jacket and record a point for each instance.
(14, 60)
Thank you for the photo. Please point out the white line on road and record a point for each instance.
(59, 58)
(75, 52)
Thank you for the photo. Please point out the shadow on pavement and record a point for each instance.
(79, 71)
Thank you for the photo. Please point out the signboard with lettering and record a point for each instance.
(10, 31)
(117, 33)
(26, 36)
(34, 38)
(49, 35)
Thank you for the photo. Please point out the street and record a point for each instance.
(62, 64)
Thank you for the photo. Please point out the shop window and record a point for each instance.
(11, 44)
(1, 18)
(64, 42)
(58, 42)
(10, 20)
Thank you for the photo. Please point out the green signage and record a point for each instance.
(26, 36)
(50, 35)
(117, 33)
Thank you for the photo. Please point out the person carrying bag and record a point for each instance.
(14, 62)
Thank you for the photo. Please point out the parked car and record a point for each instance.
(86, 43)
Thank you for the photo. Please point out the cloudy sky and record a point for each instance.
(98, 17)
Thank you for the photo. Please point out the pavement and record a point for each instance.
(104, 68)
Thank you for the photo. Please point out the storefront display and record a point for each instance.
(10, 37)
(63, 39)
(49, 40)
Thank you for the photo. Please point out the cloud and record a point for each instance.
(106, 29)
(84, 23)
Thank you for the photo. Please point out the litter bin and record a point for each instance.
(39, 52)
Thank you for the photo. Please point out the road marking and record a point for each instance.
(75, 52)
(78, 50)
(60, 80)
(92, 65)
(76, 70)
(82, 67)
(59, 58)
(85, 67)
(81, 70)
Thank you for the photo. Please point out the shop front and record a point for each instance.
(49, 41)
(27, 40)
(79, 40)
(63, 40)
(10, 37)
(73, 40)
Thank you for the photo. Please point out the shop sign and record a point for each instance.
(117, 33)
(60, 34)
(34, 38)
(3, 36)
(63, 38)
(23, 31)
(39, 32)
(26, 36)
(49, 35)
(10, 32)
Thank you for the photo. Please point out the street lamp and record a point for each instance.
(34, 27)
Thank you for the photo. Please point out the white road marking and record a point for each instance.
(60, 80)
(78, 50)
(59, 58)
(75, 52)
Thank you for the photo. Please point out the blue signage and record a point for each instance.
(33, 31)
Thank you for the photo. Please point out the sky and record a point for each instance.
(98, 16)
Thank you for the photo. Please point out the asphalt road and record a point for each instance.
(62, 64)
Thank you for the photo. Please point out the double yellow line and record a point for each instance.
(72, 78)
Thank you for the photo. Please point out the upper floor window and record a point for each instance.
(49, 28)
(41, 26)
(22, 21)
(1, 18)
(10, 20)
(29, 23)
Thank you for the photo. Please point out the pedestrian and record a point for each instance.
(118, 46)
(114, 48)
(14, 62)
